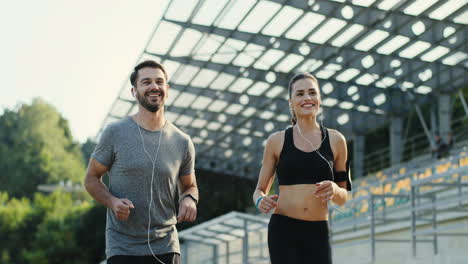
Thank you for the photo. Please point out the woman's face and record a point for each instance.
(305, 97)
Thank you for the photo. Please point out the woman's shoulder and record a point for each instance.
(336, 136)
(276, 137)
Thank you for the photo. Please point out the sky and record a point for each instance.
(76, 55)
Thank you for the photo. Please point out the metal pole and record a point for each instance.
(434, 223)
(463, 101)
(185, 252)
(261, 244)
(215, 254)
(459, 180)
(227, 252)
(245, 245)
(372, 227)
(423, 123)
(413, 220)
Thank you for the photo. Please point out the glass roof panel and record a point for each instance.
(363, 3)
(380, 99)
(343, 119)
(446, 9)
(310, 65)
(164, 37)
(201, 102)
(198, 123)
(423, 89)
(259, 16)
(387, 4)
(217, 105)
(183, 120)
(363, 108)
(393, 44)
(289, 63)
(184, 99)
(214, 126)
(180, 10)
(347, 75)
(222, 81)
(204, 77)
(455, 58)
(282, 21)
(275, 91)
(347, 35)
(240, 85)
(371, 40)
(209, 46)
(435, 54)
(209, 11)
(346, 105)
(385, 82)
(462, 18)
(173, 94)
(171, 67)
(418, 6)
(258, 88)
(249, 111)
(414, 49)
(236, 13)
(365, 79)
(329, 29)
(269, 59)
(186, 43)
(187, 74)
(329, 102)
(306, 24)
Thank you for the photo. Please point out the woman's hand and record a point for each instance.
(268, 203)
(326, 190)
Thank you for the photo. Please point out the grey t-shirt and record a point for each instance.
(120, 149)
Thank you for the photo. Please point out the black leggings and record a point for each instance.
(170, 258)
(297, 241)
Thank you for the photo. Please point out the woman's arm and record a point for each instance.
(267, 173)
(336, 191)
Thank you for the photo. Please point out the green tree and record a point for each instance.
(36, 147)
(52, 228)
(87, 149)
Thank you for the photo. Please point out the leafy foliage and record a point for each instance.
(36, 147)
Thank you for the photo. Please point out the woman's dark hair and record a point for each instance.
(296, 78)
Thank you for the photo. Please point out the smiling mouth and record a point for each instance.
(153, 95)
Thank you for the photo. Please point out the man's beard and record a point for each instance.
(147, 105)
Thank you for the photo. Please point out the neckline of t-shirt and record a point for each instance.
(150, 131)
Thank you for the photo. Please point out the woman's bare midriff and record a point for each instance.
(299, 201)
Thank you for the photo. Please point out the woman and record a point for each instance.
(310, 162)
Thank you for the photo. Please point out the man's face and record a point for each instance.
(151, 88)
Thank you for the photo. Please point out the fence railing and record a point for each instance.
(414, 146)
(414, 198)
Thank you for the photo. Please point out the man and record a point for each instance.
(146, 158)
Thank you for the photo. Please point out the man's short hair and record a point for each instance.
(146, 64)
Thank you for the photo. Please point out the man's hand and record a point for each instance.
(121, 208)
(187, 210)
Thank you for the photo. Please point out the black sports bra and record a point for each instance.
(298, 167)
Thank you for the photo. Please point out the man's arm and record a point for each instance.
(189, 198)
(98, 190)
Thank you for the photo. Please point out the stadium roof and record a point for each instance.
(229, 63)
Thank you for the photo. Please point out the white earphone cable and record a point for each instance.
(153, 162)
(316, 149)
